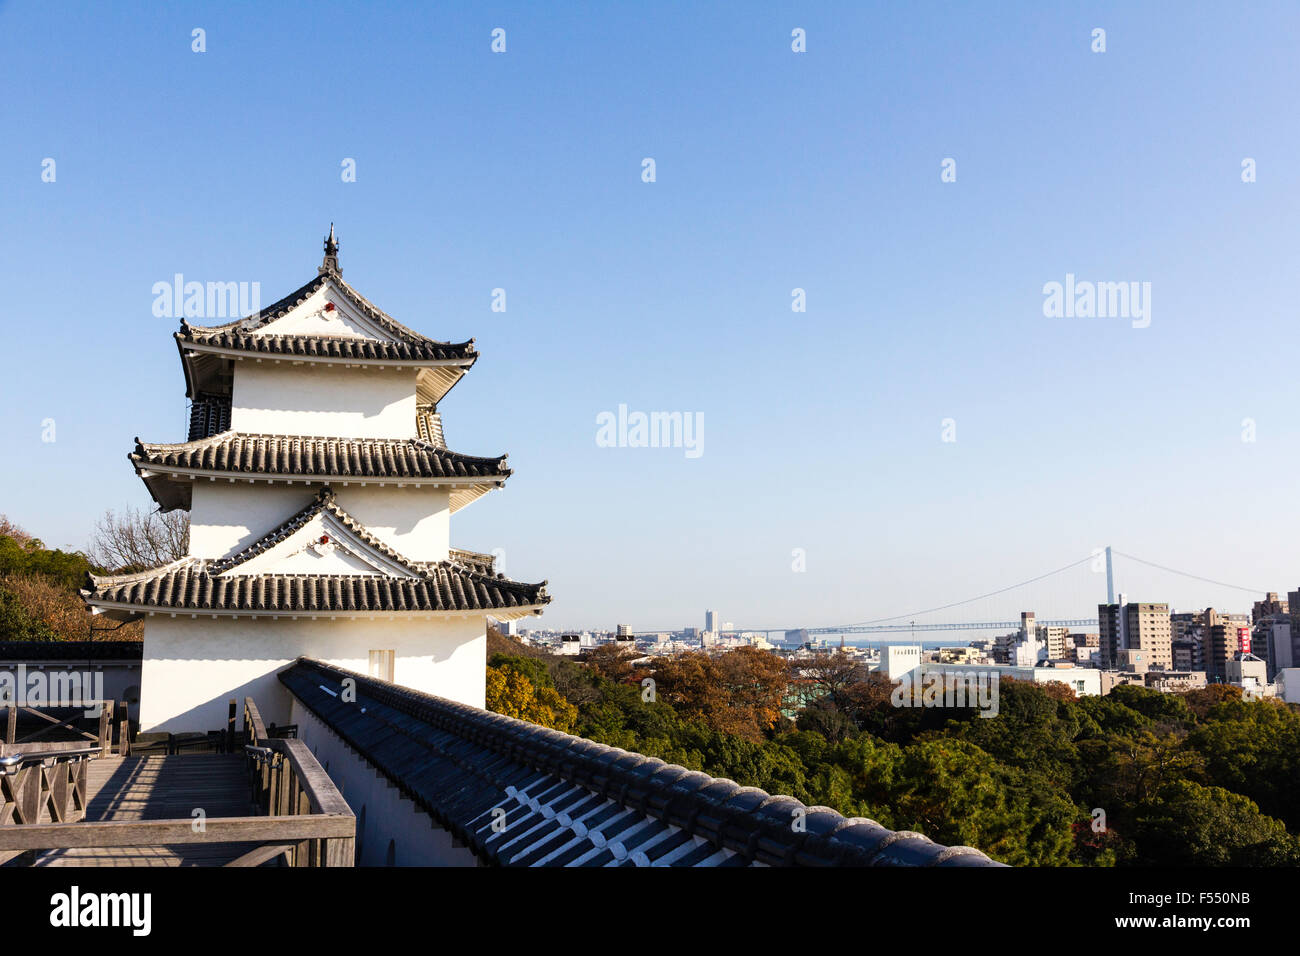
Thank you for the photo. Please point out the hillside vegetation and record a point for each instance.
(1137, 777)
(39, 585)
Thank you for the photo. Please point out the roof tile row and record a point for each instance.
(191, 585)
(242, 335)
(312, 455)
(573, 802)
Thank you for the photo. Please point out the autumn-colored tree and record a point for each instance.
(499, 642)
(611, 661)
(38, 592)
(832, 677)
(56, 608)
(10, 530)
(1201, 700)
(511, 693)
(741, 692)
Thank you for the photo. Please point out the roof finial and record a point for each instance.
(331, 263)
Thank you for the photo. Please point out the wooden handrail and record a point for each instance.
(46, 749)
(117, 833)
(103, 729)
(305, 816)
(254, 728)
(313, 782)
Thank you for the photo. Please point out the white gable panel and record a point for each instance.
(312, 318)
(324, 545)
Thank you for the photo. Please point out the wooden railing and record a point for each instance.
(12, 743)
(287, 782)
(304, 817)
(44, 784)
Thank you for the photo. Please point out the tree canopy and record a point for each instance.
(1137, 777)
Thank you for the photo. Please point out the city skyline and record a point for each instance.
(825, 432)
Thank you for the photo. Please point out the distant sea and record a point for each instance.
(896, 639)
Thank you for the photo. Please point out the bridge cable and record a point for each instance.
(1185, 574)
(1011, 587)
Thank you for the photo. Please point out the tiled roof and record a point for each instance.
(192, 585)
(306, 456)
(71, 650)
(409, 346)
(473, 559)
(572, 802)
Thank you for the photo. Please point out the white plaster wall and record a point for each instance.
(358, 402)
(194, 666)
(226, 517)
(383, 814)
(416, 520)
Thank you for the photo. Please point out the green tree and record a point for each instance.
(1191, 825)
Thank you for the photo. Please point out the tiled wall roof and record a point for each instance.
(560, 800)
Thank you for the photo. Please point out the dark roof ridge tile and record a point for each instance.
(745, 820)
(242, 453)
(410, 343)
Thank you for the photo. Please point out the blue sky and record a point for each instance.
(775, 170)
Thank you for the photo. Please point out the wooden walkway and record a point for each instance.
(162, 788)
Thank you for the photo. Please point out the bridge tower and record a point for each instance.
(1110, 578)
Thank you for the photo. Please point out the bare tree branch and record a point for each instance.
(10, 530)
(136, 540)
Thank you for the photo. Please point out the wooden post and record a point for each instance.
(27, 791)
(230, 729)
(79, 789)
(106, 728)
(307, 848)
(339, 851)
(124, 733)
(11, 724)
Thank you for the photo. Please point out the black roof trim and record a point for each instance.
(308, 456)
(463, 765)
(71, 650)
(410, 346)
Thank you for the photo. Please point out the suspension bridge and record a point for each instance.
(1082, 593)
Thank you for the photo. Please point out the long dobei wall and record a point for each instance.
(215, 660)
(392, 830)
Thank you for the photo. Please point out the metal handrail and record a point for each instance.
(10, 764)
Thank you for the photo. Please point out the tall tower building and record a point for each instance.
(711, 621)
(1226, 638)
(1056, 638)
(1135, 627)
(1110, 641)
(1269, 607)
(320, 493)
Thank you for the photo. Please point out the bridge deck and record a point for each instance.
(162, 788)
